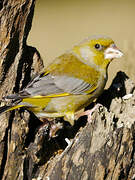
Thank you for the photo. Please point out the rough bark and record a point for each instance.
(104, 149)
(101, 150)
(18, 62)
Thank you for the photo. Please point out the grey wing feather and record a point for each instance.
(50, 84)
(43, 86)
(71, 84)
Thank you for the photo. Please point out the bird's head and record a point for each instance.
(97, 51)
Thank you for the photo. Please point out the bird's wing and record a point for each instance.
(50, 85)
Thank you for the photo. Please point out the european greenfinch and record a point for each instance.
(70, 83)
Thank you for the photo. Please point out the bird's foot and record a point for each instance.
(88, 113)
(52, 125)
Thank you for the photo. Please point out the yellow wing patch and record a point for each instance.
(50, 96)
(15, 107)
(46, 73)
(42, 101)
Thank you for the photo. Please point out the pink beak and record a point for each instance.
(112, 52)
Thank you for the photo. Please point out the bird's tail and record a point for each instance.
(13, 105)
(4, 109)
(7, 108)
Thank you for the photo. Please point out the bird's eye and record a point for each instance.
(98, 46)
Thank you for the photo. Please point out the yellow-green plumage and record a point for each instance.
(70, 65)
(71, 82)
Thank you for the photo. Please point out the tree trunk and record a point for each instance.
(18, 62)
(101, 150)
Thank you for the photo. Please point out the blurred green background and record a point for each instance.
(58, 25)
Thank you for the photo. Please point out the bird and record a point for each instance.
(70, 83)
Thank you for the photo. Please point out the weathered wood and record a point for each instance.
(18, 62)
(101, 150)
(104, 149)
